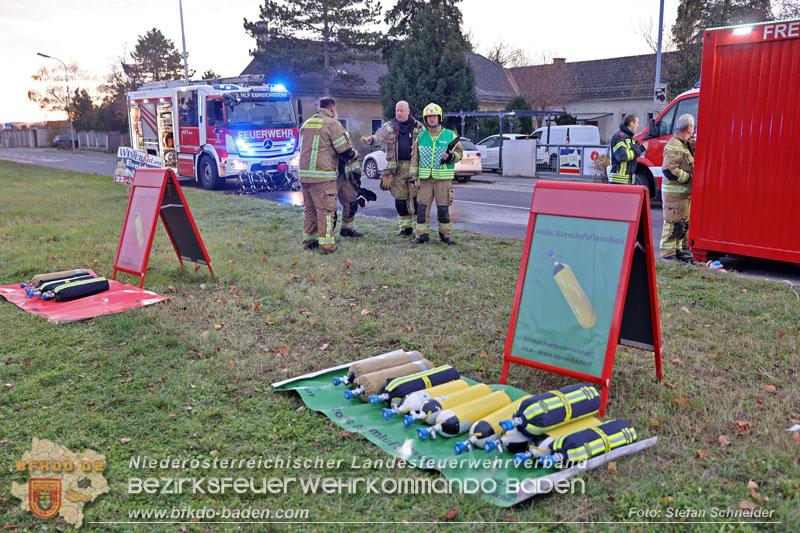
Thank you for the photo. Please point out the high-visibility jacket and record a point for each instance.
(387, 136)
(624, 152)
(322, 139)
(678, 165)
(427, 152)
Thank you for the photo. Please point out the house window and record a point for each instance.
(376, 124)
(344, 122)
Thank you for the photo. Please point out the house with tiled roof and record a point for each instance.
(599, 92)
(359, 106)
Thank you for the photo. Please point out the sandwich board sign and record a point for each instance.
(586, 283)
(154, 193)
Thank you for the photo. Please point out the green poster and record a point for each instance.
(570, 289)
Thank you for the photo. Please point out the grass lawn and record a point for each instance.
(190, 377)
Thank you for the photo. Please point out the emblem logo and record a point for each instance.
(44, 497)
(268, 144)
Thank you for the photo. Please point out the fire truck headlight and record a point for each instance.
(295, 162)
(238, 165)
(230, 146)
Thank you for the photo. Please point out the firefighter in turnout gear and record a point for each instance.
(398, 136)
(433, 159)
(347, 185)
(624, 152)
(322, 141)
(676, 191)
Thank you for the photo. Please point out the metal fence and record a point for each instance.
(585, 161)
(102, 141)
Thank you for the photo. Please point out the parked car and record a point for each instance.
(490, 149)
(63, 140)
(470, 165)
(562, 135)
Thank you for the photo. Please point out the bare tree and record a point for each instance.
(648, 31)
(51, 83)
(508, 56)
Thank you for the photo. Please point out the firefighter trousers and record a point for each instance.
(404, 195)
(319, 200)
(674, 240)
(442, 191)
(347, 197)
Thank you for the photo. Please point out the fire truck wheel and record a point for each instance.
(209, 177)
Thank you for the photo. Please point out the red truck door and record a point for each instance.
(188, 131)
(215, 122)
(665, 127)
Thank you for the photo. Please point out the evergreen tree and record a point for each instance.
(430, 65)
(156, 58)
(694, 17)
(83, 110)
(521, 124)
(299, 36)
(405, 16)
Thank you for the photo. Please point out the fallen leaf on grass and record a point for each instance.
(231, 364)
(256, 307)
(743, 291)
(324, 346)
(796, 437)
(509, 519)
(484, 354)
(751, 484)
(781, 334)
(747, 505)
(238, 449)
(612, 468)
(125, 440)
(724, 440)
(654, 422)
(769, 388)
(676, 361)
(269, 322)
(217, 326)
(126, 380)
(284, 350)
(681, 401)
(213, 453)
(365, 312)
(346, 434)
(452, 513)
(685, 310)
(347, 263)
(743, 426)
(408, 328)
(702, 454)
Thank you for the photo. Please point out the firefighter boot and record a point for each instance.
(422, 225)
(346, 232)
(446, 240)
(404, 232)
(684, 256)
(421, 239)
(310, 245)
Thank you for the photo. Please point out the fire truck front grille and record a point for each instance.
(257, 148)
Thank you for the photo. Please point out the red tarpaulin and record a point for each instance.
(118, 298)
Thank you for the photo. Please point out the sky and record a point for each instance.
(95, 33)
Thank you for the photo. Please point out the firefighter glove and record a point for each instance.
(386, 182)
(447, 157)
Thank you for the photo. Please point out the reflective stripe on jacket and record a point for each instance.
(678, 165)
(427, 152)
(387, 136)
(322, 139)
(624, 152)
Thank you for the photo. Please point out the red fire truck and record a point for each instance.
(208, 131)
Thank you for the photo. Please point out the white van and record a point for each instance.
(562, 135)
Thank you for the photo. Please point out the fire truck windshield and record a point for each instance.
(260, 114)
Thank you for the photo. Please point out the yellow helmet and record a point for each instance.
(432, 109)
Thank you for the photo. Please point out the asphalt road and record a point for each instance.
(488, 204)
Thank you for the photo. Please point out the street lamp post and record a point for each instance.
(69, 99)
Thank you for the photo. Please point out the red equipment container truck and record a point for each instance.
(746, 190)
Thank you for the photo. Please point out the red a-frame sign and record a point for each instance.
(587, 282)
(157, 192)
